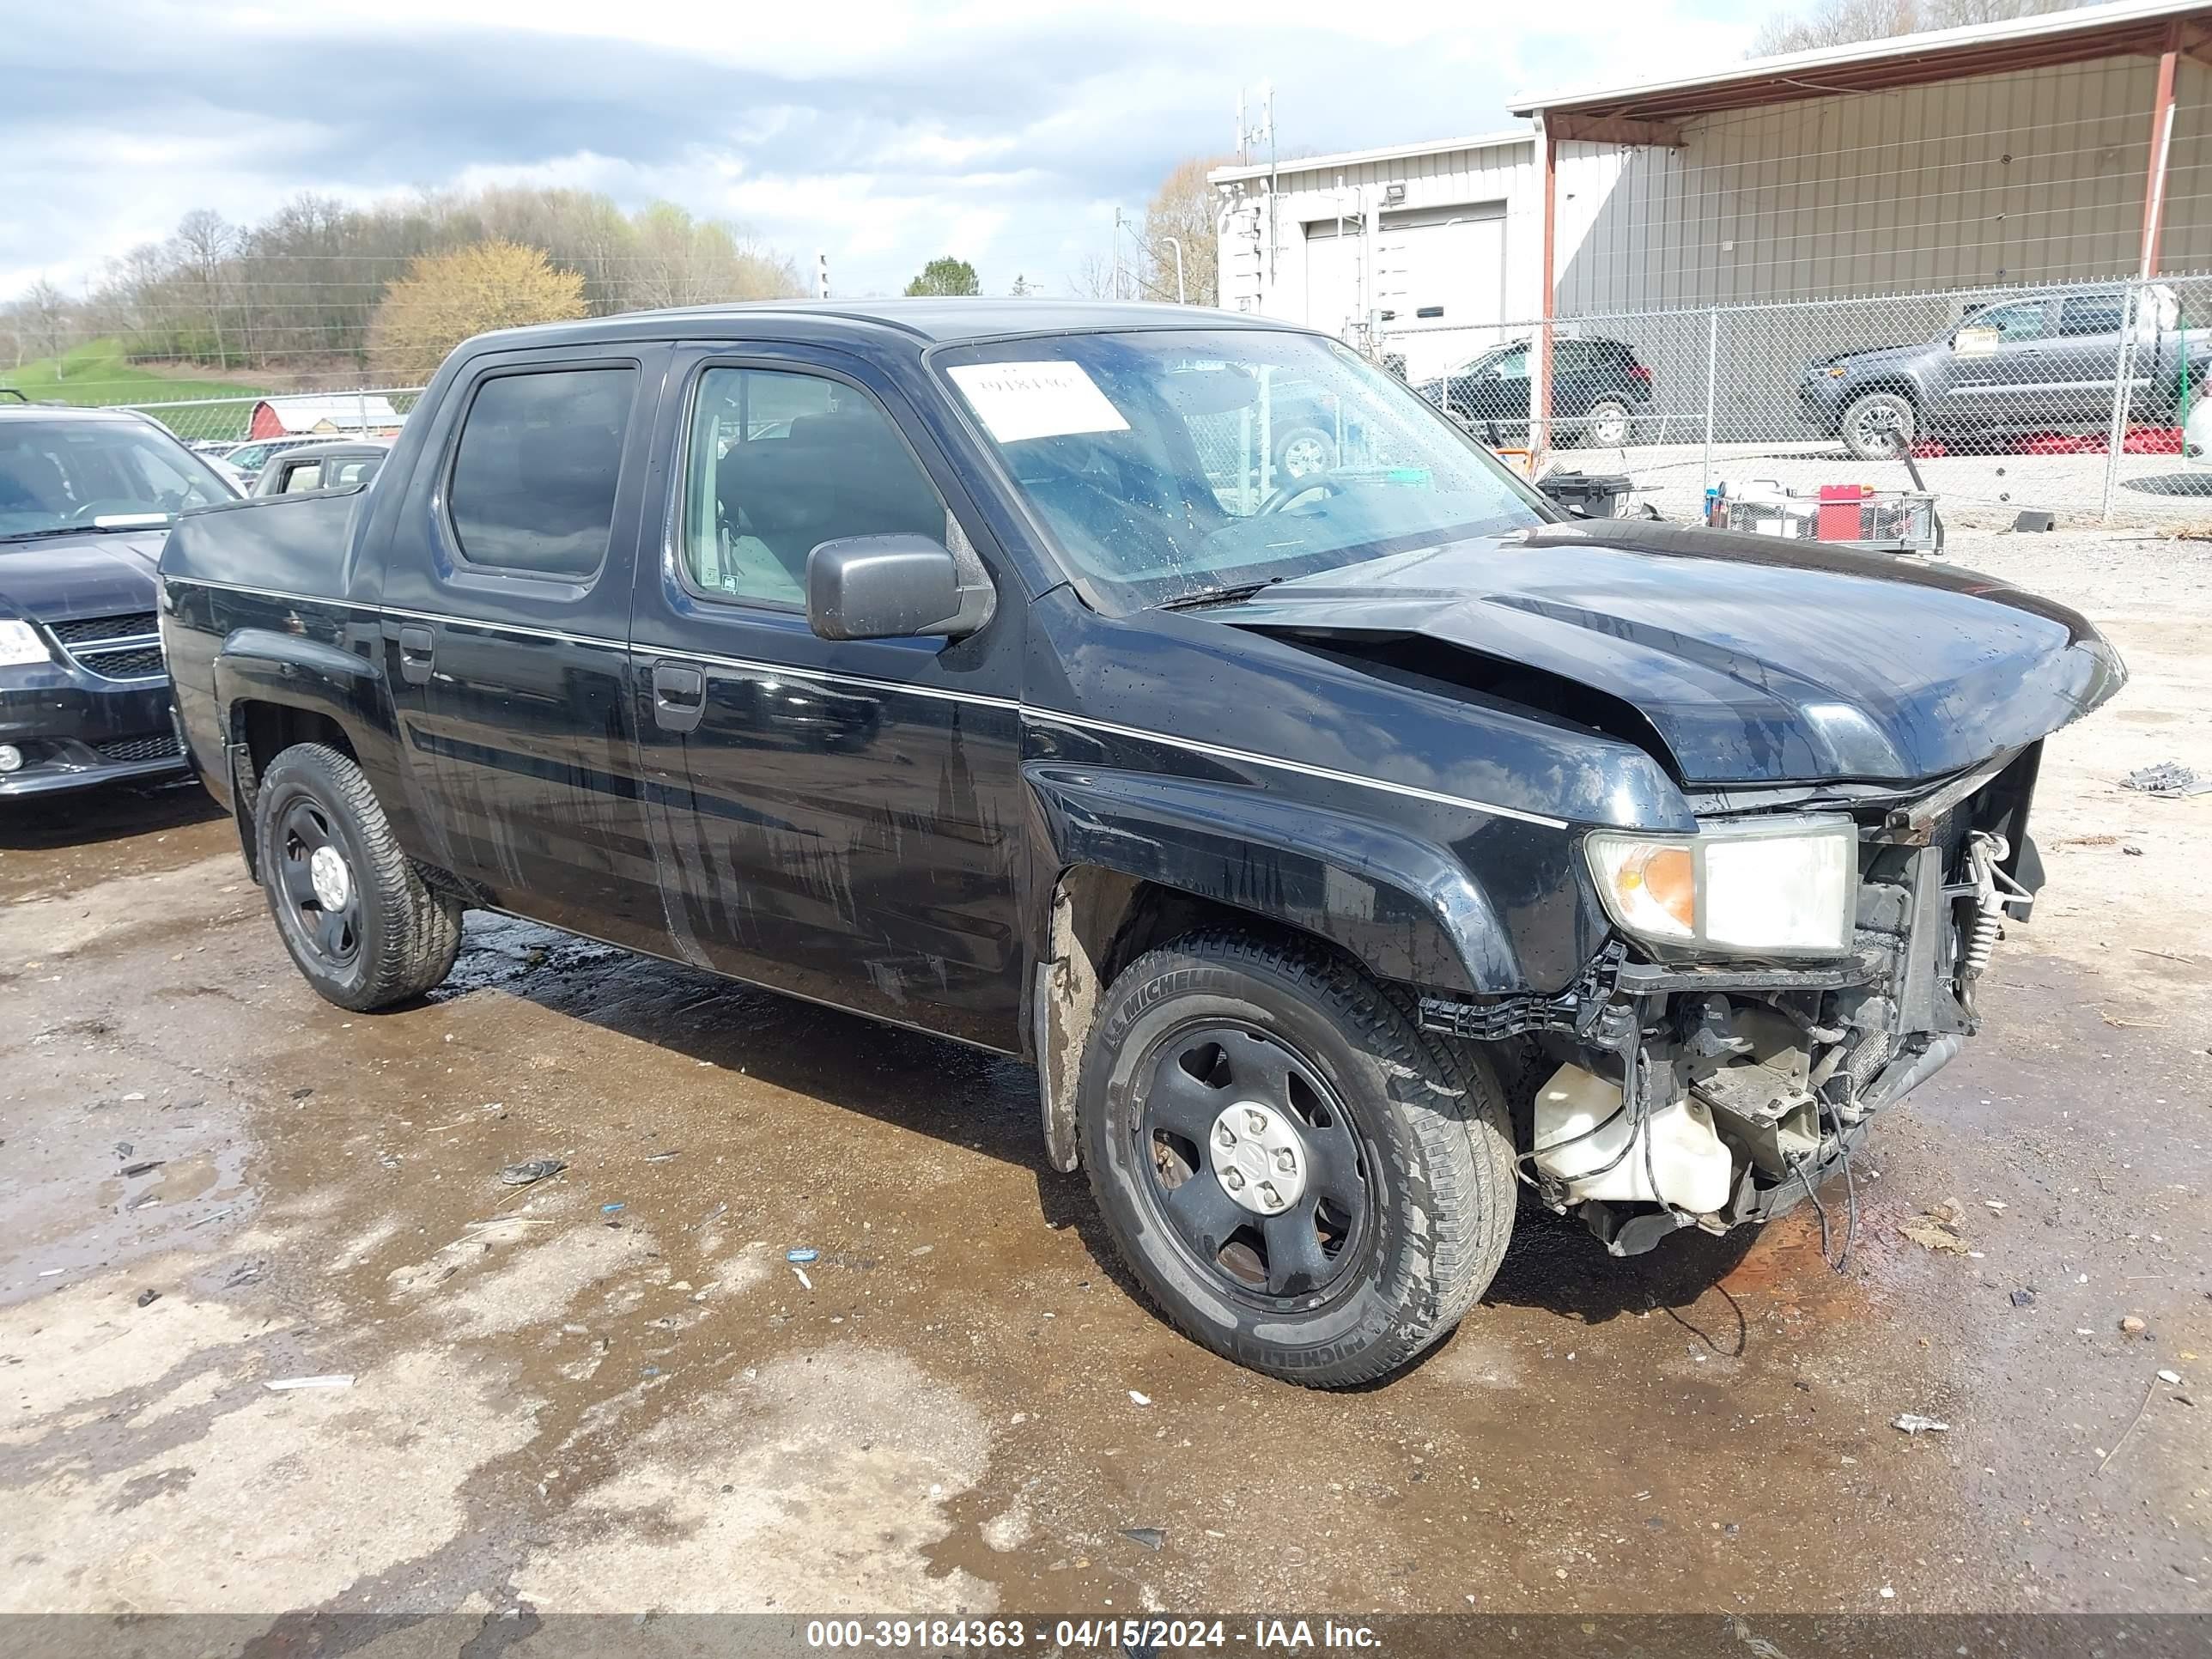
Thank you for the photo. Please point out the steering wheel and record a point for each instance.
(88, 511)
(1299, 488)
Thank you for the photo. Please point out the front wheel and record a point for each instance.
(1879, 425)
(362, 927)
(1304, 1182)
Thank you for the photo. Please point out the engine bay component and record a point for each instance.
(1585, 1140)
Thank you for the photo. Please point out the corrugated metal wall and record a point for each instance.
(2036, 177)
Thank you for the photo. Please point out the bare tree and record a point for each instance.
(43, 317)
(1180, 217)
(1844, 23)
(1097, 277)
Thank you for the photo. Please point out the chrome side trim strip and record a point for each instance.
(1219, 752)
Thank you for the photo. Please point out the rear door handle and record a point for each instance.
(680, 696)
(418, 650)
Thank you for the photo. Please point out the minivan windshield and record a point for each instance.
(1176, 465)
(60, 477)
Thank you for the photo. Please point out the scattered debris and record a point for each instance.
(336, 1381)
(660, 1157)
(1994, 1204)
(801, 1256)
(530, 1169)
(146, 1168)
(2023, 1299)
(2130, 1430)
(1151, 1537)
(1914, 1423)
(2169, 779)
(1136, 1399)
(1931, 1234)
(715, 1214)
(611, 1209)
(2132, 1325)
(213, 1217)
(2172, 1377)
(148, 1298)
(2033, 520)
(803, 1278)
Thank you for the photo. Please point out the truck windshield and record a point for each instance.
(68, 476)
(1173, 465)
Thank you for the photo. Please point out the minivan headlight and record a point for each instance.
(1784, 888)
(19, 644)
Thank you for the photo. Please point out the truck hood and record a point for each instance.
(1752, 660)
(64, 577)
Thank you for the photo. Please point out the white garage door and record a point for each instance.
(1440, 283)
(1334, 277)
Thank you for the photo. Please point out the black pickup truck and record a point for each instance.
(1348, 850)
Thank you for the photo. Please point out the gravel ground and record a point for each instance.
(212, 1181)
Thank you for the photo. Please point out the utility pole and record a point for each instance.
(821, 274)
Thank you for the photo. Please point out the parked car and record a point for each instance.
(246, 459)
(2044, 363)
(1340, 856)
(86, 497)
(330, 466)
(1599, 391)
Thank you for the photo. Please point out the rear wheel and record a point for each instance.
(1606, 425)
(1879, 425)
(361, 924)
(1302, 1180)
(1303, 452)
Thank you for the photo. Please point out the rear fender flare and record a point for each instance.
(260, 665)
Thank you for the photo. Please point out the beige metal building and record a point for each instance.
(2067, 147)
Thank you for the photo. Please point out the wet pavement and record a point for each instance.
(611, 1390)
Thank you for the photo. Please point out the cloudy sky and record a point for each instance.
(1007, 131)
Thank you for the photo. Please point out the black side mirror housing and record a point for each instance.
(890, 587)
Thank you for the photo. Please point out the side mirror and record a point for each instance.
(885, 587)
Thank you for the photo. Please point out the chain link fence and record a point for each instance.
(374, 411)
(2070, 400)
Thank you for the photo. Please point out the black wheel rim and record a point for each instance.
(332, 931)
(1291, 1257)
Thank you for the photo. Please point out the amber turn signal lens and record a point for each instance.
(1662, 876)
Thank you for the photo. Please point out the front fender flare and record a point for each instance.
(1404, 907)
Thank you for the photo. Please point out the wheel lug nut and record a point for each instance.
(1274, 1200)
(1234, 1180)
(1284, 1162)
(1256, 1122)
(1226, 1135)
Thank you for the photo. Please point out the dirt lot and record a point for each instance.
(611, 1391)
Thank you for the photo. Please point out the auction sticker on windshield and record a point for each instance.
(1035, 400)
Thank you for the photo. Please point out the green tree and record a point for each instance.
(946, 276)
(445, 298)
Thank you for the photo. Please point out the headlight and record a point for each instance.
(1786, 888)
(20, 644)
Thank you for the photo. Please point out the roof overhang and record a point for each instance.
(1652, 114)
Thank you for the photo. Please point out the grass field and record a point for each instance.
(96, 372)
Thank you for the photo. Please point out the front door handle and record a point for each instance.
(418, 650)
(680, 696)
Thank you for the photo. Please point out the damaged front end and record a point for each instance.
(1684, 1084)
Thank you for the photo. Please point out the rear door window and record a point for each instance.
(532, 486)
